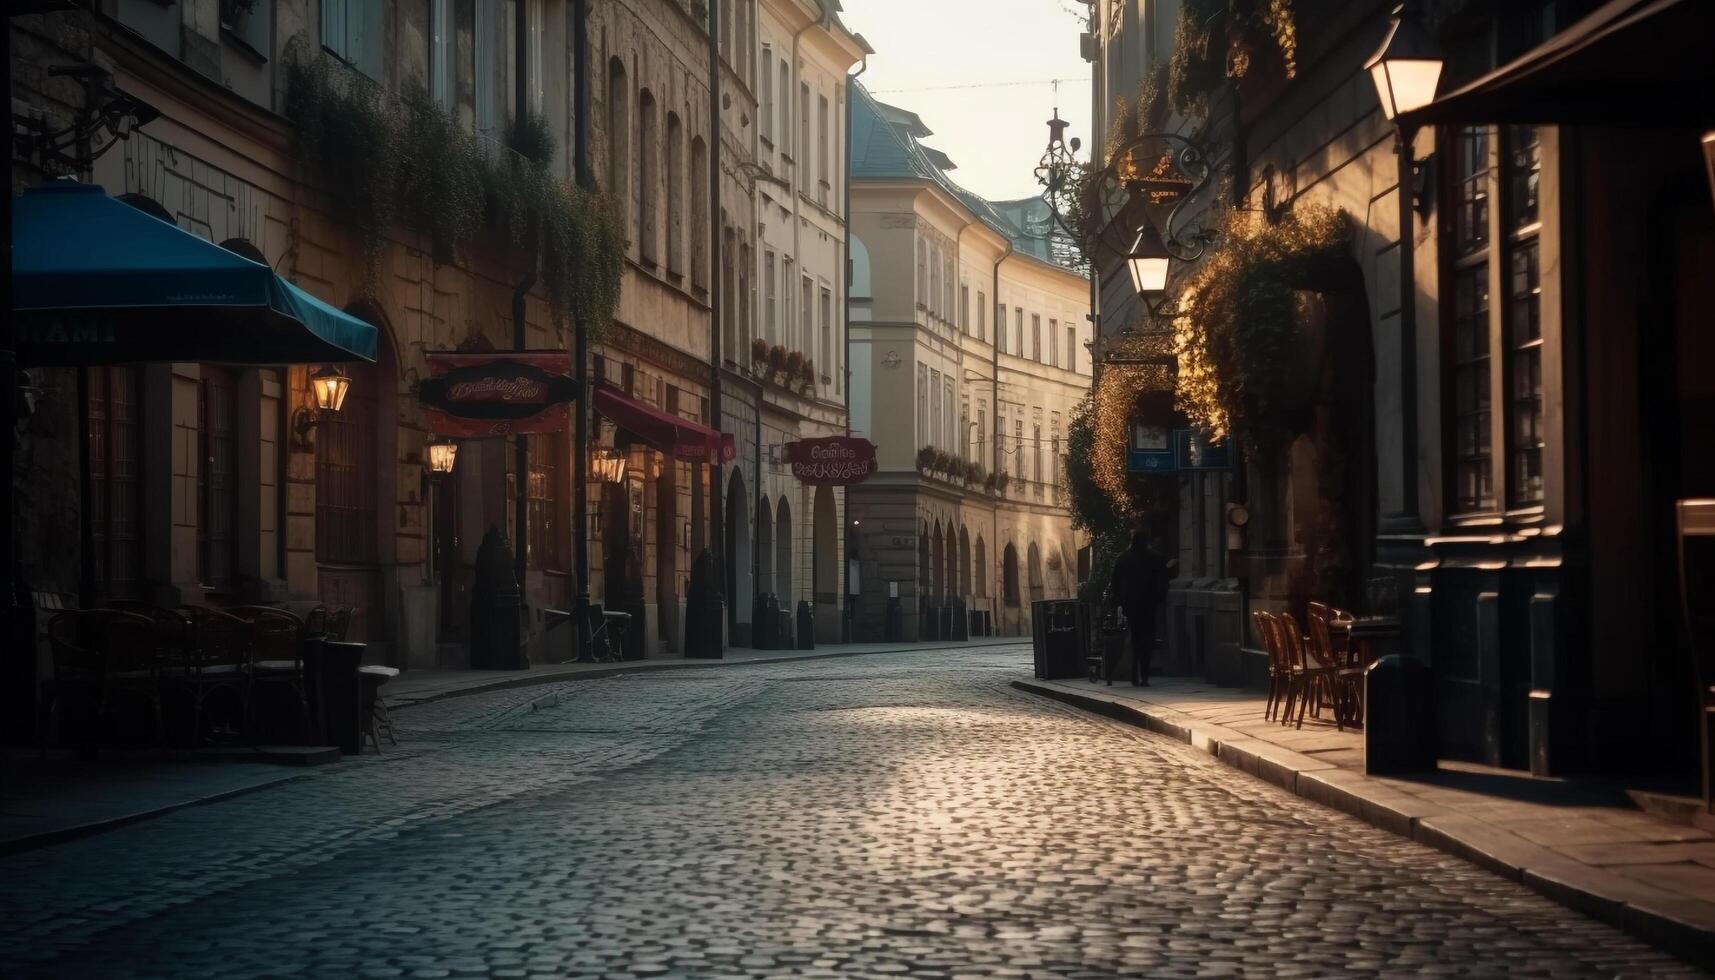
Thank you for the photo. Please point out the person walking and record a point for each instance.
(1140, 582)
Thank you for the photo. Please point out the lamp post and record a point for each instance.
(1405, 70)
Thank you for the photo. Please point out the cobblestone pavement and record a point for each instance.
(898, 815)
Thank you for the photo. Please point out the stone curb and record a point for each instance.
(1681, 925)
(404, 702)
(48, 838)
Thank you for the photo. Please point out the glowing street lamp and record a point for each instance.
(1407, 67)
(442, 454)
(328, 386)
(1148, 261)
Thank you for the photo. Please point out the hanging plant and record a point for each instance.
(411, 162)
(1220, 39)
(350, 139)
(1236, 343)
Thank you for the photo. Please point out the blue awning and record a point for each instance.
(97, 281)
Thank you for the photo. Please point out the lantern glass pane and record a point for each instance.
(1384, 91)
(1414, 82)
(1149, 274)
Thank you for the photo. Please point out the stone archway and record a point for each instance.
(964, 561)
(740, 586)
(765, 548)
(1033, 565)
(980, 559)
(784, 587)
(937, 565)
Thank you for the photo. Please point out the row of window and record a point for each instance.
(1496, 346)
(935, 289)
(820, 158)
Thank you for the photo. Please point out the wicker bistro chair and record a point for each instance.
(1279, 669)
(277, 658)
(316, 622)
(1312, 682)
(212, 659)
(338, 624)
(103, 658)
(1345, 687)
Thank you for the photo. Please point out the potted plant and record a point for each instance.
(1001, 479)
(776, 359)
(758, 353)
(794, 364)
(925, 459)
(809, 375)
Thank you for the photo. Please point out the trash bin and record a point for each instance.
(704, 610)
(895, 630)
(1062, 652)
(806, 626)
(496, 640)
(765, 624)
(1399, 716)
(1112, 647)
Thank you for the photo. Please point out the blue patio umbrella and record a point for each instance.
(97, 281)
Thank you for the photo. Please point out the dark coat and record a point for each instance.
(1140, 580)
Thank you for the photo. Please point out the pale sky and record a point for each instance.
(1009, 50)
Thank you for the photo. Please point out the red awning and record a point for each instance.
(1627, 63)
(680, 438)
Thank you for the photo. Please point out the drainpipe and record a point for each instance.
(520, 306)
(846, 250)
(580, 429)
(718, 538)
(840, 577)
(994, 402)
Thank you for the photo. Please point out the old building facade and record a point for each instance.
(1491, 447)
(968, 356)
(785, 356)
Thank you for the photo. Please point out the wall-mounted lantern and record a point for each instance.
(329, 386)
(441, 454)
(608, 465)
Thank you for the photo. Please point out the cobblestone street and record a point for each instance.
(903, 814)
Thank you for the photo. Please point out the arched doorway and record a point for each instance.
(1009, 580)
(980, 559)
(937, 565)
(783, 556)
(922, 590)
(737, 556)
(826, 566)
(765, 548)
(355, 482)
(1037, 588)
(964, 561)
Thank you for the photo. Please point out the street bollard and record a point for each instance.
(1399, 716)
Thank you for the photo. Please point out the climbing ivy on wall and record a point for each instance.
(407, 161)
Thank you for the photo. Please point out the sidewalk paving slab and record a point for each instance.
(1583, 844)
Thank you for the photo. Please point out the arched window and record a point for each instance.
(699, 213)
(675, 195)
(648, 177)
(619, 142)
(862, 294)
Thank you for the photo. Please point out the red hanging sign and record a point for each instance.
(833, 461)
(473, 396)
